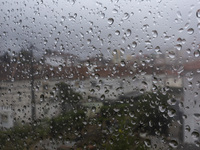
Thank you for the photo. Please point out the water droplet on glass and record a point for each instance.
(187, 128)
(46, 77)
(157, 49)
(117, 32)
(96, 76)
(102, 97)
(198, 13)
(196, 53)
(154, 33)
(115, 11)
(147, 142)
(188, 51)
(128, 32)
(179, 14)
(190, 31)
(197, 116)
(195, 135)
(162, 108)
(19, 93)
(198, 25)
(131, 114)
(116, 109)
(41, 97)
(110, 21)
(171, 112)
(60, 68)
(134, 44)
(178, 47)
(93, 109)
(88, 41)
(102, 15)
(173, 143)
(126, 16)
(172, 54)
(197, 143)
(122, 63)
(63, 18)
(180, 30)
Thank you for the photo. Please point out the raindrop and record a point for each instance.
(172, 54)
(128, 32)
(19, 93)
(196, 53)
(197, 143)
(157, 49)
(115, 1)
(115, 11)
(126, 16)
(162, 108)
(96, 76)
(171, 112)
(131, 114)
(198, 13)
(197, 116)
(110, 21)
(180, 30)
(117, 32)
(41, 97)
(195, 135)
(154, 33)
(178, 47)
(60, 68)
(93, 109)
(88, 41)
(102, 97)
(190, 31)
(173, 143)
(179, 14)
(123, 40)
(187, 128)
(46, 77)
(123, 63)
(134, 44)
(167, 37)
(102, 15)
(198, 25)
(171, 101)
(116, 109)
(147, 142)
(63, 18)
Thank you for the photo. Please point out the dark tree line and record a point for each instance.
(5, 58)
(24, 56)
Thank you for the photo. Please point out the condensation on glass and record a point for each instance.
(104, 74)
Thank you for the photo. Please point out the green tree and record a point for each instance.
(152, 113)
(5, 58)
(25, 56)
(67, 96)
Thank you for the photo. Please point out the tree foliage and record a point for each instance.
(125, 122)
(25, 56)
(67, 95)
(5, 58)
(152, 113)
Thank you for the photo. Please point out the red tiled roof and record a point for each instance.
(22, 71)
(192, 65)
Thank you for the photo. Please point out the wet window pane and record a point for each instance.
(104, 74)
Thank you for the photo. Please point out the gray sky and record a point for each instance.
(88, 27)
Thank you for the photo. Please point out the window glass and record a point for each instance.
(99, 74)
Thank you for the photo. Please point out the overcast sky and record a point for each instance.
(90, 27)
